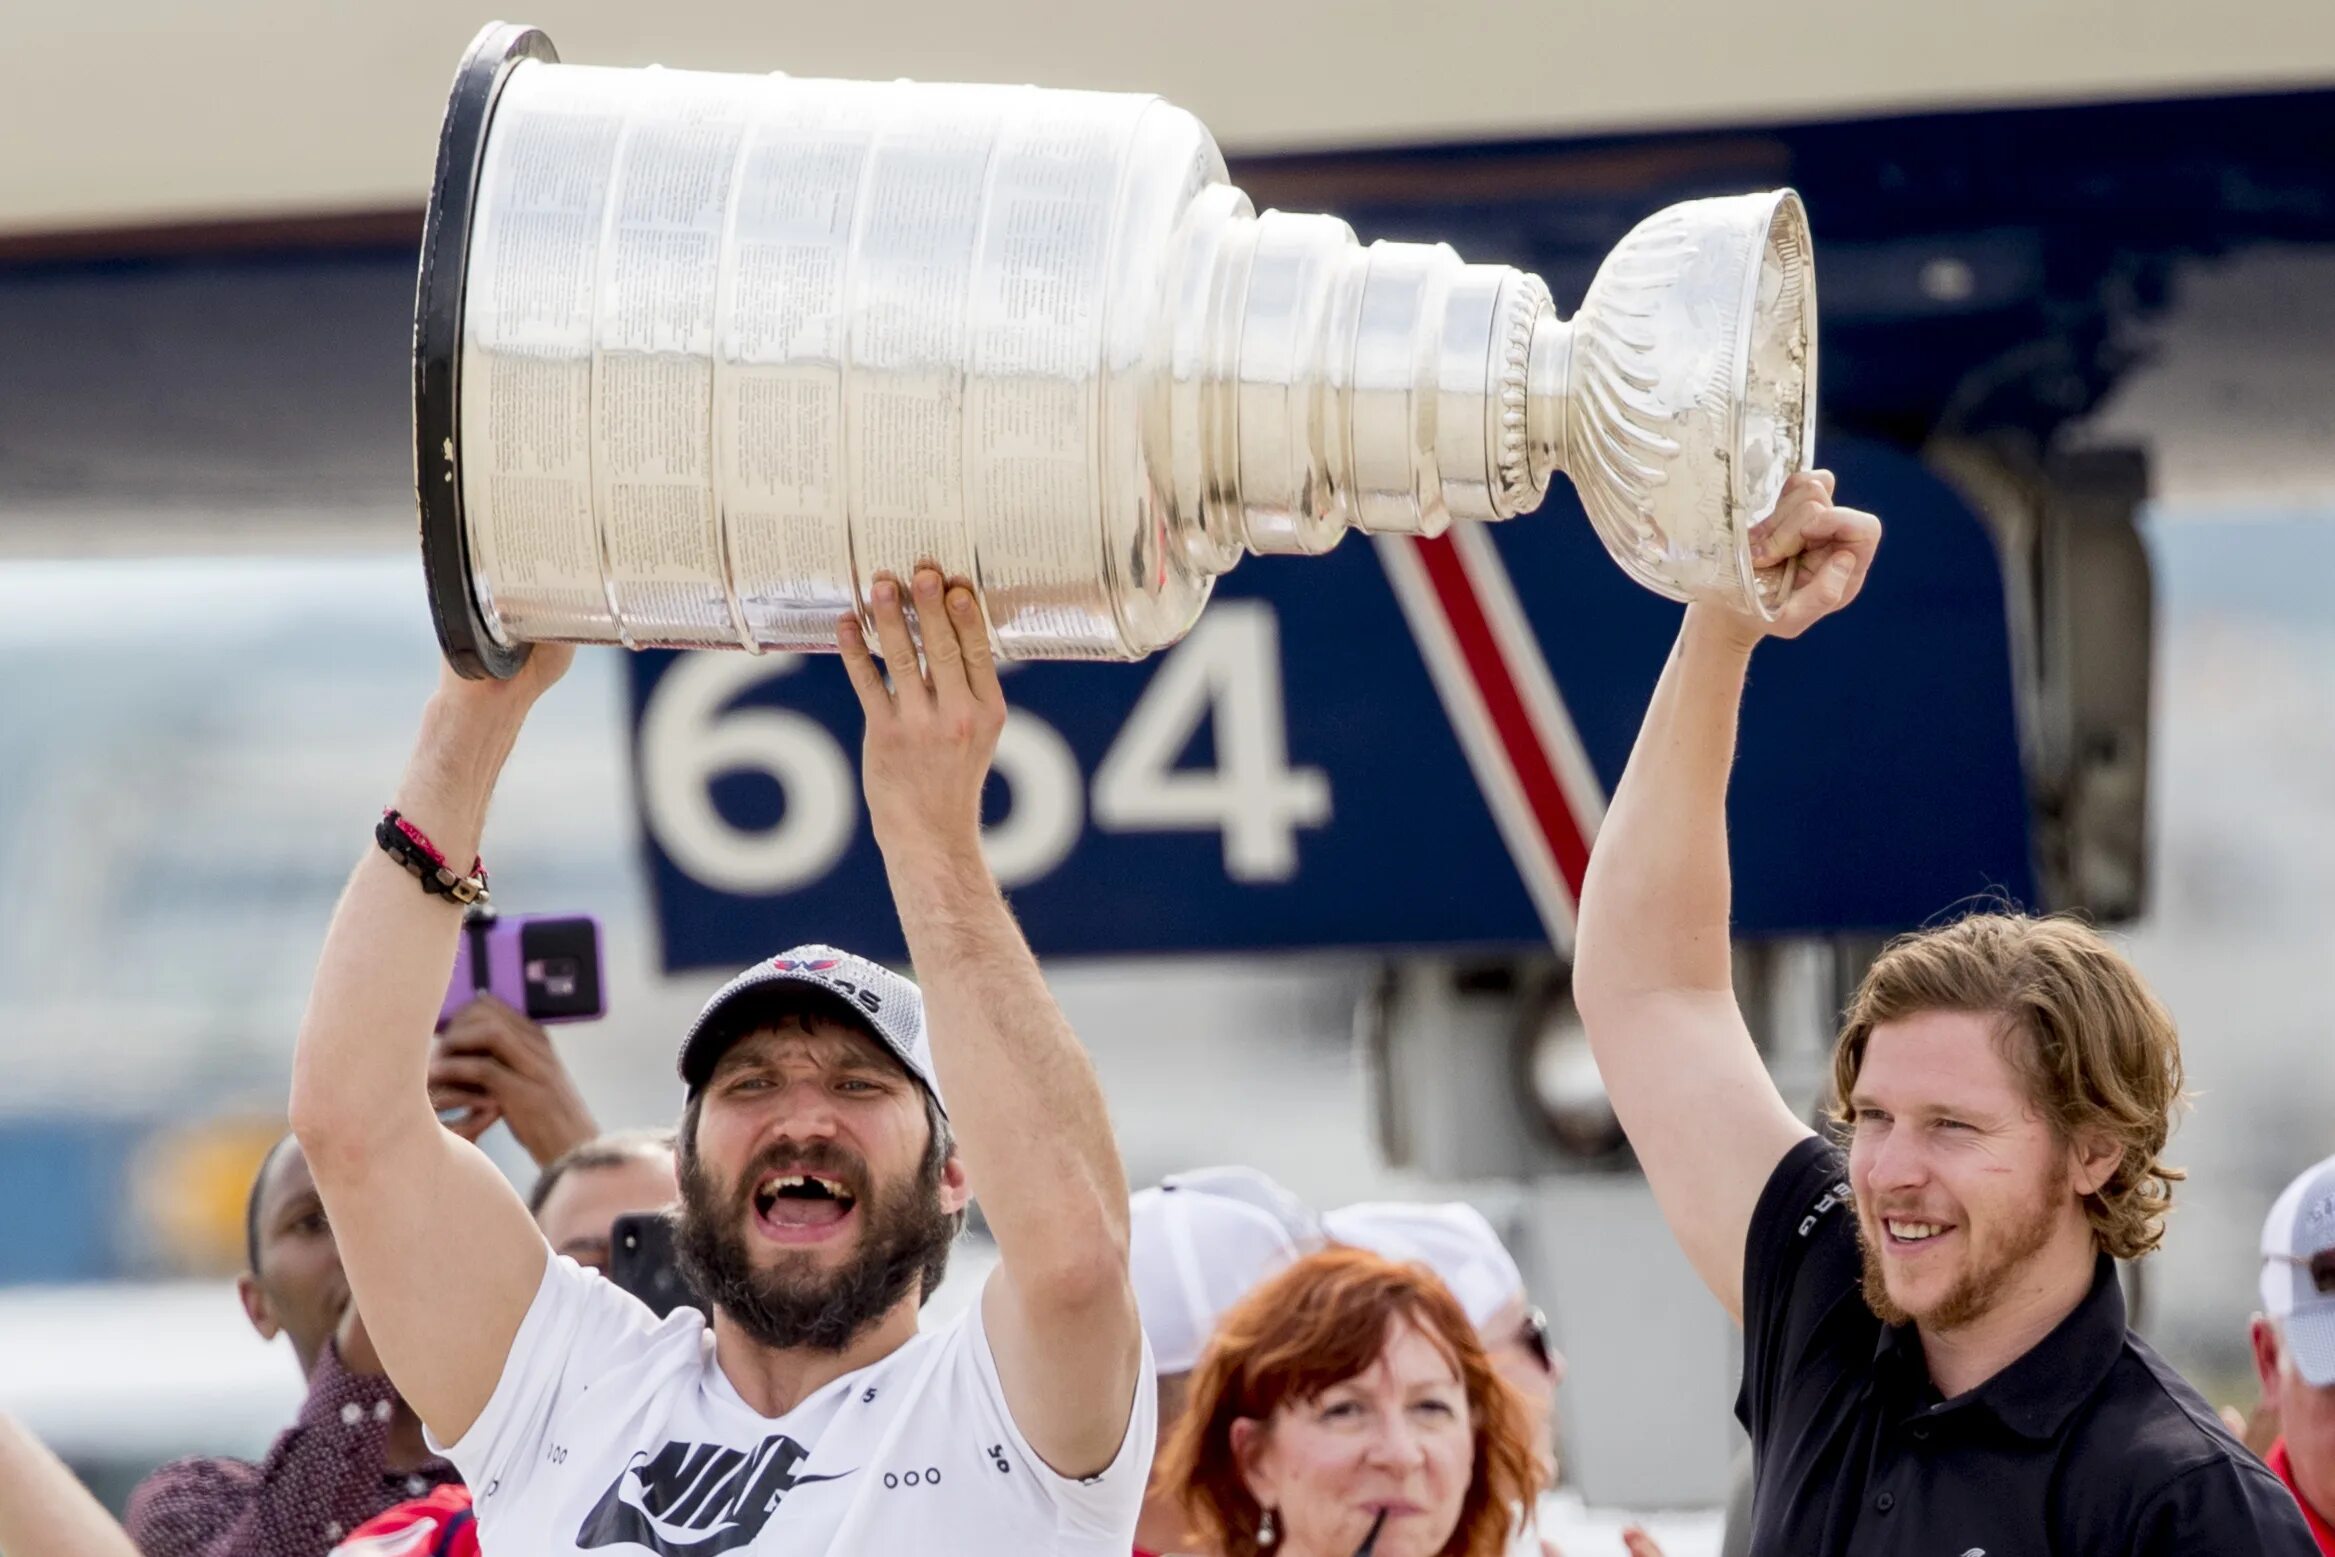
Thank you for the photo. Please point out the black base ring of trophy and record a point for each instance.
(437, 351)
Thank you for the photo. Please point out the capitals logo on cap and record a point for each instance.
(882, 1004)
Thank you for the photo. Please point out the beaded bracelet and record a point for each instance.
(411, 847)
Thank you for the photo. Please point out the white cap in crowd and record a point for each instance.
(1199, 1242)
(2298, 1270)
(1452, 1239)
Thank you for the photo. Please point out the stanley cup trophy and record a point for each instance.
(698, 356)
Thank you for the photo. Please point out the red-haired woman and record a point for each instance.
(1345, 1406)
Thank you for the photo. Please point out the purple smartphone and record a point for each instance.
(546, 965)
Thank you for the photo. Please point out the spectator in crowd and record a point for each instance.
(1197, 1244)
(356, 1447)
(827, 1151)
(1346, 1405)
(2007, 1085)
(2294, 1343)
(576, 1201)
(1454, 1240)
(45, 1511)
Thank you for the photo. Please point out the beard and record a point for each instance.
(1978, 1286)
(904, 1240)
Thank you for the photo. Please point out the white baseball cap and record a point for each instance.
(1198, 1243)
(1452, 1239)
(2298, 1271)
(859, 993)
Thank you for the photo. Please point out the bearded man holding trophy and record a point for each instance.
(935, 377)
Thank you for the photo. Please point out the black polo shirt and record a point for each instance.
(2088, 1444)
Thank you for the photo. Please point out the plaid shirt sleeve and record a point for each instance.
(322, 1478)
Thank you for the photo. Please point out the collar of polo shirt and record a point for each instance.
(2036, 1394)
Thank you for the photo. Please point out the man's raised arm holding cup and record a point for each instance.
(828, 1148)
(1653, 976)
(1935, 1350)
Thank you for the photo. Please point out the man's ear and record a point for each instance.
(256, 1307)
(2096, 1160)
(2269, 1357)
(956, 1186)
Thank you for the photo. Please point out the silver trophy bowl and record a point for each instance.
(698, 356)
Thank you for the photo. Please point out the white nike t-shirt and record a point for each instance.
(614, 1431)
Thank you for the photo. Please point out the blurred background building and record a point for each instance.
(2077, 281)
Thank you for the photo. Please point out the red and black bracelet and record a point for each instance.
(411, 847)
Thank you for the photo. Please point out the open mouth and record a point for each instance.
(797, 1208)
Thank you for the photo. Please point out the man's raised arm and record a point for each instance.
(1652, 974)
(45, 1509)
(1029, 1114)
(442, 1259)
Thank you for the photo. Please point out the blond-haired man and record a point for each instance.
(1935, 1352)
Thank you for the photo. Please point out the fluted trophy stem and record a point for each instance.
(699, 356)
(1384, 389)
